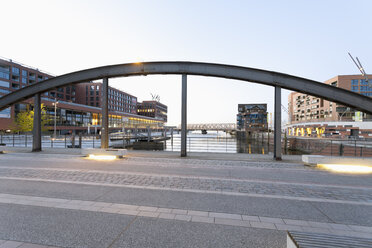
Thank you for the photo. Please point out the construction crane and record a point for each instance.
(361, 69)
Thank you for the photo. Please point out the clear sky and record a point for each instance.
(304, 38)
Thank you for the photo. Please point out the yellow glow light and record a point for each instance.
(347, 168)
(102, 157)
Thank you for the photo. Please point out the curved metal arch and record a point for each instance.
(265, 77)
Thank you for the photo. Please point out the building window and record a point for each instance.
(24, 73)
(355, 88)
(354, 82)
(24, 80)
(4, 84)
(15, 78)
(363, 82)
(15, 86)
(15, 71)
(60, 95)
(39, 78)
(4, 91)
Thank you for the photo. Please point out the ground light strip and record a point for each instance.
(347, 168)
(188, 215)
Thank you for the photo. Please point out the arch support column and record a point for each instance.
(36, 131)
(278, 124)
(184, 117)
(105, 119)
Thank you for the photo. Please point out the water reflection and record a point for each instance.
(219, 142)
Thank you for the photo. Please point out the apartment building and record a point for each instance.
(91, 93)
(252, 117)
(153, 109)
(315, 117)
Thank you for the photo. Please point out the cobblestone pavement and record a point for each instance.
(206, 163)
(205, 184)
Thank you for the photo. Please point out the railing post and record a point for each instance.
(277, 124)
(26, 140)
(13, 139)
(355, 146)
(184, 117)
(36, 142)
(65, 141)
(105, 124)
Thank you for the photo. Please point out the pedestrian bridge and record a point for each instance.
(211, 126)
(251, 75)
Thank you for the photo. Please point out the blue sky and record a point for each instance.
(304, 38)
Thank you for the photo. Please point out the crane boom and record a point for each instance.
(361, 69)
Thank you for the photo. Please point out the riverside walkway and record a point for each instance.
(157, 199)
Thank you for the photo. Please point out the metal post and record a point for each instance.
(184, 117)
(148, 133)
(55, 117)
(13, 139)
(26, 140)
(105, 124)
(277, 124)
(65, 141)
(36, 142)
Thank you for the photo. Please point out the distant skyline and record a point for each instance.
(304, 38)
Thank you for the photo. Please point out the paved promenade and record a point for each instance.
(156, 199)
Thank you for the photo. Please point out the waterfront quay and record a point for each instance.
(157, 199)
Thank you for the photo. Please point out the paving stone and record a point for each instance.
(340, 227)
(232, 222)
(271, 220)
(202, 219)
(319, 224)
(11, 244)
(251, 218)
(148, 209)
(110, 210)
(182, 217)
(179, 211)
(164, 210)
(296, 222)
(167, 216)
(148, 214)
(102, 204)
(90, 208)
(225, 216)
(262, 225)
(28, 245)
(288, 227)
(367, 229)
(128, 212)
(124, 206)
(197, 213)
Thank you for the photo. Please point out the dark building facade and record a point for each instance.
(252, 117)
(78, 106)
(153, 109)
(90, 94)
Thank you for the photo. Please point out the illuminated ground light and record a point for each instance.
(102, 157)
(347, 168)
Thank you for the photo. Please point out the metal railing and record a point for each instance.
(331, 147)
(62, 141)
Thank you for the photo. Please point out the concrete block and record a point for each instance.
(313, 160)
(99, 151)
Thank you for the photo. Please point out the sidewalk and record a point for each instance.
(157, 199)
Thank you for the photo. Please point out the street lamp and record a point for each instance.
(55, 117)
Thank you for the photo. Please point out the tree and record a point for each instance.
(24, 121)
